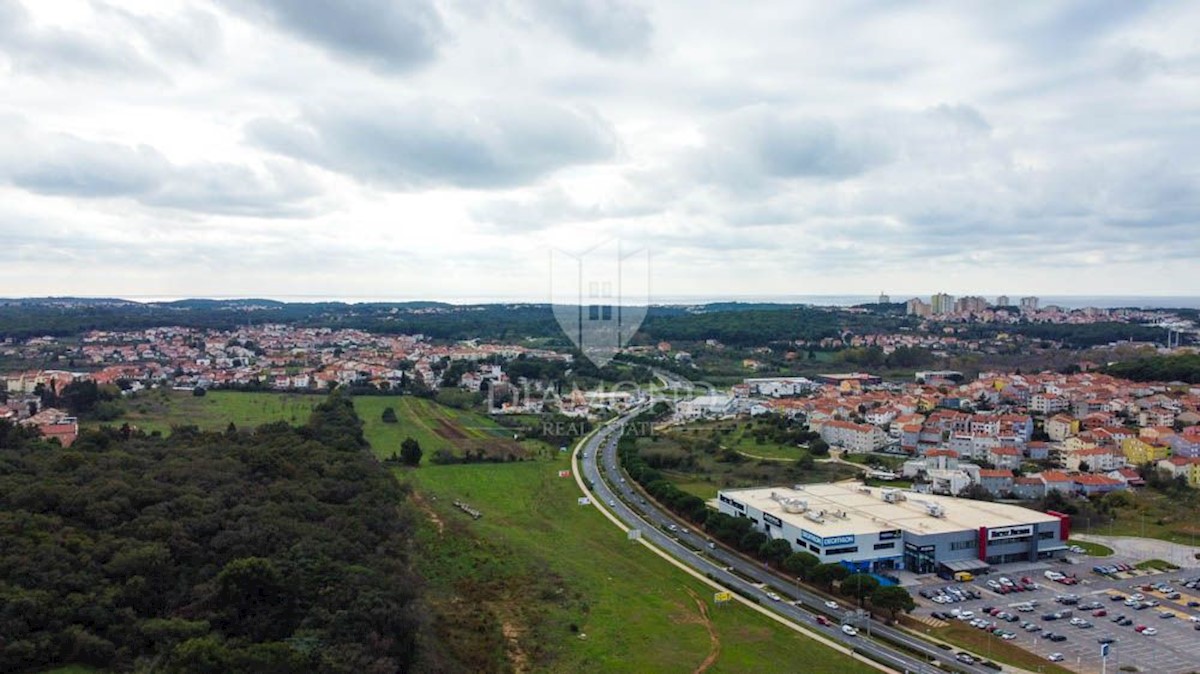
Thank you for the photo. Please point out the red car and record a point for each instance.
(1140, 628)
(822, 620)
(1099, 613)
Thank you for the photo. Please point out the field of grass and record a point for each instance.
(1153, 515)
(72, 669)
(573, 594)
(159, 409)
(1158, 564)
(994, 648)
(436, 427)
(1093, 549)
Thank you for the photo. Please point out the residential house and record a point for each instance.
(996, 481)
(1057, 481)
(1178, 466)
(1095, 460)
(1129, 476)
(1005, 457)
(853, 437)
(1090, 483)
(1061, 426)
(1028, 488)
(1138, 451)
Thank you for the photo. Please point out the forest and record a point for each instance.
(1183, 367)
(281, 549)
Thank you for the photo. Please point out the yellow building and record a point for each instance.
(1138, 451)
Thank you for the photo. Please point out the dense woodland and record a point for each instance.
(1185, 367)
(733, 324)
(277, 550)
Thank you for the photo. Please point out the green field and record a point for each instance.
(542, 563)
(1156, 564)
(437, 427)
(159, 409)
(1093, 549)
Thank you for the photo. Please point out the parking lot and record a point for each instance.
(1172, 649)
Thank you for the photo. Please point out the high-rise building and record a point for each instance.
(1029, 304)
(916, 307)
(1002, 301)
(970, 305)
(942, 303)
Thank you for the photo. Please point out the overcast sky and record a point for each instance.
(444, 148)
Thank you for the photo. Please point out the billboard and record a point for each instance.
(1010, 532)
(771, 519)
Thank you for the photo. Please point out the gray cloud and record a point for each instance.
(389, 36)
(426, 143)
(68, 166)
(606, 27)
(43, 50)
(751, 145)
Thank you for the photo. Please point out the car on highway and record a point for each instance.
(773, 597)
(823, 621)
(849, 630)
(832, 605)
(965, 658)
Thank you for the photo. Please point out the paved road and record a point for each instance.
(690, 547)
(1147, 548)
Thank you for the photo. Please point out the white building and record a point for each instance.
(705, 407)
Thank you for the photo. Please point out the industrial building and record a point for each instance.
(878, 529)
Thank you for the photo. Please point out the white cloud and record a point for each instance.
(441, 148)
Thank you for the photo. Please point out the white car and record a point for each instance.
(831, 605)
(966, 615)
(849, 630)
(1055, 657)
(1149, 631)
(772, 596)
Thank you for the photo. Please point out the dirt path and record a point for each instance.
(421, 503)
(715, 651)
(516, 655)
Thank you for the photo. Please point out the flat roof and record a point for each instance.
(854, 508)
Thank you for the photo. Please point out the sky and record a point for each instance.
(448, 149)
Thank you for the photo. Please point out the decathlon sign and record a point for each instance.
(1009, 532)
(826, 542)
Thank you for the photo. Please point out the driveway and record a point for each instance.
(1147, 548)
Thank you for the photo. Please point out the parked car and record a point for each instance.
(1055, 657)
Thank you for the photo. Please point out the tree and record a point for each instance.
(752, 541)
(410, 452)
(818, 447)
(826, 575)
(389, 416)
(801, 563)
(775, 550)
(893, 599)
(860, 586)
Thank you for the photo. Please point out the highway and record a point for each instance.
(599, 453)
